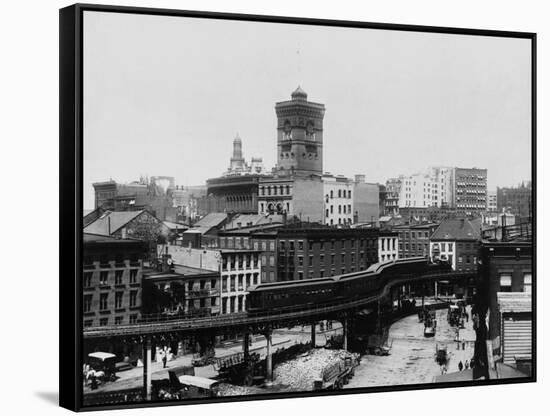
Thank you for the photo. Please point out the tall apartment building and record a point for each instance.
(432, 188)
(470, 190)
(461, 189)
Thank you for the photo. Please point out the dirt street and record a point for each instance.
(412, 358)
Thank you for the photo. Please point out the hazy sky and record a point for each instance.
(167, 95)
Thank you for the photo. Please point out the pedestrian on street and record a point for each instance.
(460, 366)
(164, 359)
(466, 365)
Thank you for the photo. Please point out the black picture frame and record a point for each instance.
(71, 193)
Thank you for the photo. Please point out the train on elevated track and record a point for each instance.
(297, 295)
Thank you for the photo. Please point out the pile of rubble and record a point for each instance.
(300, 373)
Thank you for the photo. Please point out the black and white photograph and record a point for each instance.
(283, 208)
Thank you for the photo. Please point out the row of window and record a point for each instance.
(341, 210)
(405, 235)
(388, 244)
(105, 277)
(414, 246)
(275, 190)
(106, 259)
(202, 285)
(369, 243)
(104, 301)
(286, 276)
(341, 221)
(342, 193)
(506, 282)
(240, 261)
(245, 243)
(233, 304)
(239, 282)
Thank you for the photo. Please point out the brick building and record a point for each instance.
(414, 240)
(111, 280)
(504, 286)
(307, 253)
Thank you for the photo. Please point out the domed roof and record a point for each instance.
(299, 94)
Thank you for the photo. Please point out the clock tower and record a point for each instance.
(300, 135)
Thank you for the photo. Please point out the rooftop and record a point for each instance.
(211, 220)
(175, 225)
(251, 220)
(179, 272)
(459, 229)
(89, 238)
(111, 221)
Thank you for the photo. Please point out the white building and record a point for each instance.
(388, 247)
(444, 251)
(338, 200)
(432, 188)
(238, 268)
(492, 201)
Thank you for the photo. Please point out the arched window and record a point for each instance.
(269, 190)
(339, 193)
(288, 190)
(281, 190)
(331, 194)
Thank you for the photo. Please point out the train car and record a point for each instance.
(290, 295)
(303, 294)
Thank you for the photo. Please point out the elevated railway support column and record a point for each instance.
(268, 333)
(147, 353)
(246, 345)
(313, 335)
(399, 296)
(345, 333)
